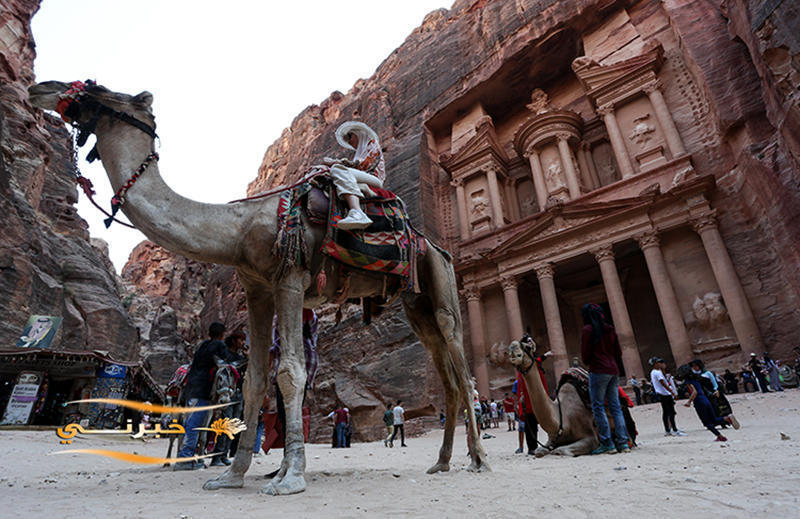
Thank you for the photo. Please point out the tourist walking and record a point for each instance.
(399, 418)
(757, 367)
(771, 367)
(702, 405)
(666, 394)
(341, 419)
(198, 391)
(388, 421)
(508, 411)
(599, 350)
(494, 414)
(637, 389)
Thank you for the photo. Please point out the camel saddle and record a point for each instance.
(579, 378)
(390, 245)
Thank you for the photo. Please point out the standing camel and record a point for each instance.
(243, 235)
(568, 423)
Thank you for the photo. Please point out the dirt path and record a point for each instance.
(754, 474)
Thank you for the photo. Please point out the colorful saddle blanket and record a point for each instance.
(390, 245)
(579, 378)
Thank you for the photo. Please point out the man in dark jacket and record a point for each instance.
(198, 390)
(599, 351)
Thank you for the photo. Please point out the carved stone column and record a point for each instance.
(511, 200)
(671, 313)
(552, 317)
(513, 312)
(463, 216)
(619, 310)
(477, 338)
(569, 166)
(494, 197)
(744, 324)
(592, 169)
(617, 141)
(538, 178)
(664, 118)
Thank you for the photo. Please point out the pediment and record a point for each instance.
(563, 219)
(596, 78)
(480, 147)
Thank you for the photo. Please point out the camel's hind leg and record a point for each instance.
(260, 311)
(436, 318)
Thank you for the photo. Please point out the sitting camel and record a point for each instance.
(242, 234)
(566, 420)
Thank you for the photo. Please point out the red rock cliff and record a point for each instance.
(48, 265)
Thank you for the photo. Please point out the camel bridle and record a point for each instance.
(79, 100)
(528, 350)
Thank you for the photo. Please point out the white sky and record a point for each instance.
(227, 77)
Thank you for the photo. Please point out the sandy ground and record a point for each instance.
(754, 474)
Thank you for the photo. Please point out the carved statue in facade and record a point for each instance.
(641, 130)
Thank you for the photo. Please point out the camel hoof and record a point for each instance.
(224, 480)
(439, 467)
(286, 486)
(479, 466)
(541, 452)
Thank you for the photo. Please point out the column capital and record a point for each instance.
(531, 151)
(545, 270)
(471, 293)
(508, 282)
(603, 253)
(563, 136)
(706, 221)
(648, 239)
(605, 110)
(457, 182)
(652, 86)
(491, 168)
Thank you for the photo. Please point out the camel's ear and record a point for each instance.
(144, 98)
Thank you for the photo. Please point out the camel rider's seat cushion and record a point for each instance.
(579, 378)
(390, 245)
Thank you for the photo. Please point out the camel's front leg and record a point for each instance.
(291, 383)
(583, 446)
(260, 311)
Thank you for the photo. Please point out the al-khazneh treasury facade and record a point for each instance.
(586, 191)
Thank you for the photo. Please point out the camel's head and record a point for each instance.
(76, 102)
(516, 355)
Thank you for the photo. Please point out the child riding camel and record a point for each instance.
(353, 178)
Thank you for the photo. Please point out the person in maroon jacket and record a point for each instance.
(599, 351)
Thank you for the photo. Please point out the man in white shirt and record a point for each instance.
(666, 392)
(399, 415)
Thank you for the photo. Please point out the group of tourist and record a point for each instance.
(198, 388)
(600, 350)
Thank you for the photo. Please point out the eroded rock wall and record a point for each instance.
(48, 265)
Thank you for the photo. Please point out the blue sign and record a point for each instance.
(111, 371)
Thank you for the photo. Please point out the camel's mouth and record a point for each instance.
(46, 94)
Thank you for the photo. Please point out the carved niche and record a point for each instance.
(537, 140)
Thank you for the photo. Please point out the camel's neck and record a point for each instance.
(205, 232)
(545, 409)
